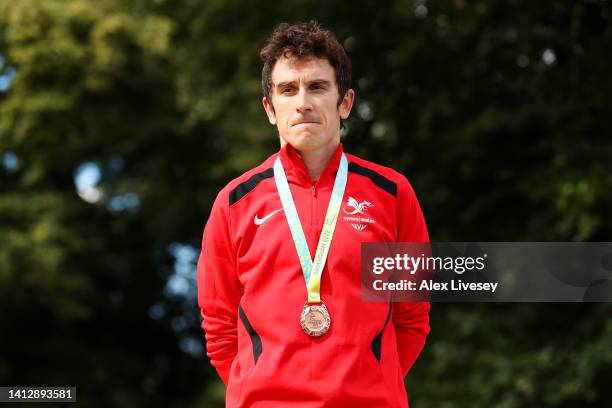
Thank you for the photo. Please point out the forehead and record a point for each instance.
(305, 69)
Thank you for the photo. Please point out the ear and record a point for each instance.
(347, 104)
(269, 110)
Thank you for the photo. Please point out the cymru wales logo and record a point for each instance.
(354, 207)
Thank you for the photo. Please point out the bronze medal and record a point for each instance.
(315, 319)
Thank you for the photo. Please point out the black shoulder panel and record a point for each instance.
(378, 179)
(244, 188)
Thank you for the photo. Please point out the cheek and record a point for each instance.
(332, 114)
(280, 116)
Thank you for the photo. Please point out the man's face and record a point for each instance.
(304, 105)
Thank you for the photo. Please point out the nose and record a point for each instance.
(304, 104)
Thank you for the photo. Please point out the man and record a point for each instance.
(279, 274)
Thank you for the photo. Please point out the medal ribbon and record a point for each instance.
(312, 270)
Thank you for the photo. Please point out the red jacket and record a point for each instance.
(251, 290)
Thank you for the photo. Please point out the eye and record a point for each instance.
(286, 90)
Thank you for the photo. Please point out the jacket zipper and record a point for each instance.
(313, 219)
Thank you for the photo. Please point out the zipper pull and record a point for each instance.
(314, 191)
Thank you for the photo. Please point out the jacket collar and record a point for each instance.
(296, 169)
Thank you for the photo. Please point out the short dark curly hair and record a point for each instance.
(305, 40)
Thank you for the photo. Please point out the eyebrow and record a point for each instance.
(323, 82)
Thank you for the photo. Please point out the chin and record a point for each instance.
(304, 142)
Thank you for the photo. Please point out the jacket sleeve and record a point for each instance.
(219, 290)
(411, 319)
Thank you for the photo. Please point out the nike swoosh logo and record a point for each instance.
(259, 221)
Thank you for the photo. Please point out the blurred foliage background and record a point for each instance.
(120, 121)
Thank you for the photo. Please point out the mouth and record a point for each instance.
(305, 123)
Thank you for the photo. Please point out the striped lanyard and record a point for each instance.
(312, 270)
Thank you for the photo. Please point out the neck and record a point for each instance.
(317, 160)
